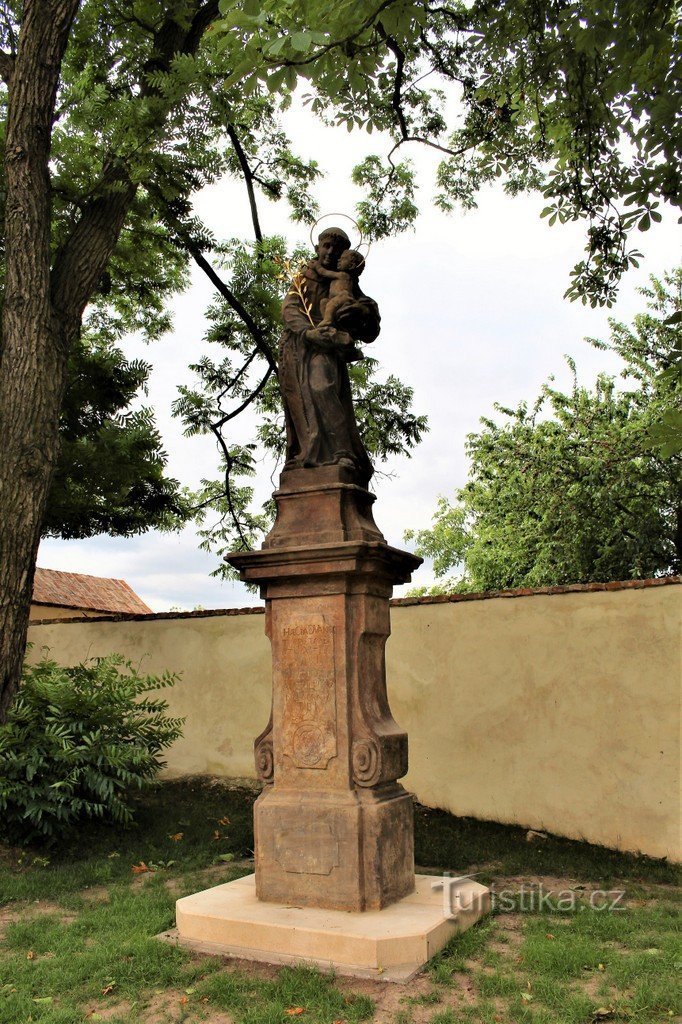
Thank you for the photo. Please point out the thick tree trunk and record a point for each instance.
(31, 393)
(34, 338)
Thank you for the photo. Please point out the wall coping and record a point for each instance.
(398, 602)
(566, 588)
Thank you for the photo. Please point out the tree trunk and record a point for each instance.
(31, 392)
(34, 338)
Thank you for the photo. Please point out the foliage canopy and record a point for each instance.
(110, 477)
(575, 99)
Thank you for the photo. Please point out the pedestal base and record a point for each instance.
(389, 945)
(348, 851)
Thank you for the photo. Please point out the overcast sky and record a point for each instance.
(472, 314)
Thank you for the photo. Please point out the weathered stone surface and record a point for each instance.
(322, 507)
(333, 826)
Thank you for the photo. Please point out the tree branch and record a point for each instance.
(199, 258)
(396, 104)
(232, 300)
(206, 14)
(7, 62)
(396, 99)
(251, 397)
(229, 463)
(249, 178)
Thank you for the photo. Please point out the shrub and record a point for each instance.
(76, 743)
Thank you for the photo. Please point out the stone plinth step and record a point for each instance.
(389, 945)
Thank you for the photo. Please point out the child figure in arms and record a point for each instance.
(343, 280)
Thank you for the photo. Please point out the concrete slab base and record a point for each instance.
(389, 945)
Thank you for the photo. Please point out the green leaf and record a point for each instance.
(301, 41)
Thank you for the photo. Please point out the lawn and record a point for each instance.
(77, 927)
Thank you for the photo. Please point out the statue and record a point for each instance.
(324, 316)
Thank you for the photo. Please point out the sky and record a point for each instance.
(472, 314)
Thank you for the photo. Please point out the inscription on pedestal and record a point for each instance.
(302, 851)
(309, 682)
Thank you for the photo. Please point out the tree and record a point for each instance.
(64, 213)
(110, 474)
(117, 111)
(572, 490)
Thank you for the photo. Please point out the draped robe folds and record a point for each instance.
(318, 406)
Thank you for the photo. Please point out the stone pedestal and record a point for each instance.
(333, 827)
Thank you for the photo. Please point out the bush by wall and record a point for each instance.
(77, 742)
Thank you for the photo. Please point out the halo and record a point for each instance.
(368, 246)
(328, 216)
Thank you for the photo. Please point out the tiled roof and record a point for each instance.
(93, 593)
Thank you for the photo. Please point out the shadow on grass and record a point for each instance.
(461, 844)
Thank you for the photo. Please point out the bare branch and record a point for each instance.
(232, 383)
(396, 104)
(396, 99)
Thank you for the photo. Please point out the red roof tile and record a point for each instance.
(94, 593)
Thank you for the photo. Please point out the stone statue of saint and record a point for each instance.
(321, 327)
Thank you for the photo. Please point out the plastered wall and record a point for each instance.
(557, 712)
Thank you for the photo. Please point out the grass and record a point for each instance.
(77, 926)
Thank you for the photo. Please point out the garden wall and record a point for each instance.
(555, 709)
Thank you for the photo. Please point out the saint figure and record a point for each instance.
(313, 364)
